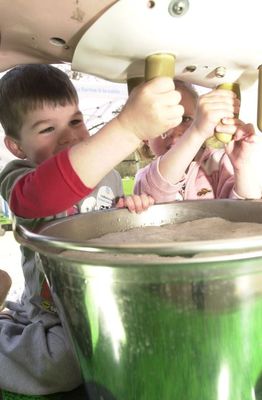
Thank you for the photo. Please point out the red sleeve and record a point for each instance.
(51, 188)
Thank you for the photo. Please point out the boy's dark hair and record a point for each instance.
(30, 86)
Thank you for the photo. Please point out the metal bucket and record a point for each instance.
(159, 321)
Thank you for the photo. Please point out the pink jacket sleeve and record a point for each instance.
(213, 171)
(149, 180)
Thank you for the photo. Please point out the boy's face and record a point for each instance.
(162, 144)
(48, 130)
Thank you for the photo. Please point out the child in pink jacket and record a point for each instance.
(186, 168)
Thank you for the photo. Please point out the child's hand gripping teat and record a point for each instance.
(225, 137)
(220, 139)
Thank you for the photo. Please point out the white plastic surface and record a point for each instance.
(212, 34)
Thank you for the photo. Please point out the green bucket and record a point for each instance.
(149, 323)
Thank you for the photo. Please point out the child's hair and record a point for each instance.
(27, 87)
(144, 151)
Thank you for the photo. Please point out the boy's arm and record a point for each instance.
(151, 109)
(51, 188)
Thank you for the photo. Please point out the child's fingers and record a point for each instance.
(244, 131)
(232, 121)
(215, 111)
(229, 129)
(129, 203)
(160, 84)
(120, 203)
(151, 200)
(136, 203)
(146, 201)
(174, 116)
(220, 93)
(141, 202)
(226, 102)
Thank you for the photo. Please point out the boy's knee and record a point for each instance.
(5, 284)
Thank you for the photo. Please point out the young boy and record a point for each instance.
(185, 168)
(61, 171)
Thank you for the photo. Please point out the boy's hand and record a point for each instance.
(136, 203)
(152, 108)
(216, 111)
